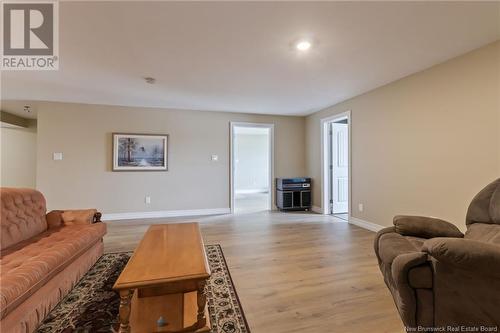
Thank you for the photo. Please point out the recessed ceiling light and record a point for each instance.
(303, 45)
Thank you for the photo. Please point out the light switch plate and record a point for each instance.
(58, 156)
(215, 158)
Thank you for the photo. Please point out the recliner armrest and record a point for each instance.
(403, 263)
(379, 234)
(472, 255)
(406, 301)
(425, 227)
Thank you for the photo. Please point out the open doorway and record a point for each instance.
(251, 167)
(336, 165)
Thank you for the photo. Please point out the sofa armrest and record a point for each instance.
(57, 218)
(425, 227)
(80, 216)
(467, 254)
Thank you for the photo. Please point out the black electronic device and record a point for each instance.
(293, 193)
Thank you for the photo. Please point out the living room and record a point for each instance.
(382, 124)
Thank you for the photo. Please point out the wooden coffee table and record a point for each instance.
(166, 276)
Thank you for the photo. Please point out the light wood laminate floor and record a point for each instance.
(294, 272)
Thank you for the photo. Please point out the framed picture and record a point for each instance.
(140, 152)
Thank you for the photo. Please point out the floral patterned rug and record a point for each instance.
(92, 305)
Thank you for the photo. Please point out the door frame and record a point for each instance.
(325, 174)
(234, 124)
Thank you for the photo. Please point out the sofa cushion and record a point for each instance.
(26, 266)
(23, 215)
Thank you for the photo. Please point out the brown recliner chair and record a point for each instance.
(440, 277)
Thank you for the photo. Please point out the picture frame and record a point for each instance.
(140, 152)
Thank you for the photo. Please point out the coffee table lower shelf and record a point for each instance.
(178, 310)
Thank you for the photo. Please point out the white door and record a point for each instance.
(340, 168)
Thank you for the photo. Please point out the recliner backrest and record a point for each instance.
(485, 207)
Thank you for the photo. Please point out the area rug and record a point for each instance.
(92, 305)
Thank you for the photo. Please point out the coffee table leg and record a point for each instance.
(202, 301)
(125, 297)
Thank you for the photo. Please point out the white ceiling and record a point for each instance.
(239, 56)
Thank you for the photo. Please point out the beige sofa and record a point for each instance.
(42, 256)
(440, 278)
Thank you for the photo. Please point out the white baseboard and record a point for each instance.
(317, 209)
(252, 191)
(365, 224)
(164, 213)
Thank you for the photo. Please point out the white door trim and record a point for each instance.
(232, 125)
(325, 195)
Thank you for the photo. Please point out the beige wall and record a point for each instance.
(425, 144)
(84, 177)
(18, 157)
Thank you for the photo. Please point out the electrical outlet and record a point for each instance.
(147, 200)
(360, 207)
(57, 156)
(215, 158)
